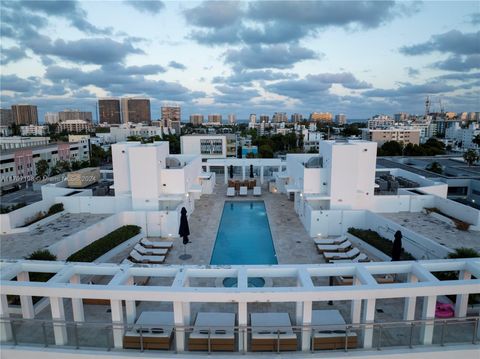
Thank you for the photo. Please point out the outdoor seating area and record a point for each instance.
(218, 328)
(152, 330)
(272, 332)
(150, 252)
(330, 331)
(339, 250)
(242, 188)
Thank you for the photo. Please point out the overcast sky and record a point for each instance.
(353, 57)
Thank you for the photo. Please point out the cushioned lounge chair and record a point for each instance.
(342, 247)
(352, 253)
(219, 327)
(150, 251)
(243, 191)
(324, 241)
(330, 332)
(155, 329)
(272, 332)
(257, 191)
(156, 244)
(230, 192)
(362, 257)
(138, 258)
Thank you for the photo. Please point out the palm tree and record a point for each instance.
(471, 156)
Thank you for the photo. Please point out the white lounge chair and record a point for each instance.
(230, 192)
(243, 191)
(257, 191)
(330, 331)
(323, 241)
(138, 258)
(159, 244)
(219, 327)
(150, 251)
(272, 331)
(352, 253)
(342, 247)
(362, 257)
(155, 328)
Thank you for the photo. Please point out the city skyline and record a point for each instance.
(357, 58)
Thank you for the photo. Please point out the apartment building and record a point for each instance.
(24, 114)
(109, 111)
(380, 136)
(196, 119)
(207, 146)
(135, 110)
(33, 130)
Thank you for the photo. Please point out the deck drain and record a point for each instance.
(379, 310)
(299, 241)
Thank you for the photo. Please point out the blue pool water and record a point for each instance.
(244, 235)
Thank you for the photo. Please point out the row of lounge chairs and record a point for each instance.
(231, 192)
(149, 252)
(339, 250)
(215, 331)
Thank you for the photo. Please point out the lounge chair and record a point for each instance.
(329, 331)
(381, 279)
(362, 257)
(158, 244)
(352, 253)
(324, 241)
(155, 329)
(219, 327)
(230, 192)
(150, 251)
(138, 258)
(243, 191)
(342, 247)
(272, 332)
(257, 191)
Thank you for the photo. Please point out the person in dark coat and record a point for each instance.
(184, 230)
(397, 246)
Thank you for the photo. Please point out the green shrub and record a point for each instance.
(41, 255)
(56, 208)
(8, 209)
(103, 245)
(379, 242)
(464, 253)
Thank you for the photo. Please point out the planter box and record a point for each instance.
(364, 246)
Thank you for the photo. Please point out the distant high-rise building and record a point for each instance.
(72, 115)
(400, 117)
(170, 113)
(24, 114)
(135, 110)
(6, 118)
(109, 111)
(51, 118)
(279, 117)
(264, 118)
(232, 119)
(321, 116)
(253, 118)
(175, 125)
(341, 119)
(296, 117)
(196, 119)
(215, 118)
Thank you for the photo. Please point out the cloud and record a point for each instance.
(475, 18)
(12, 54)
(16, 84)
(246, 77)
(234, 94)
(224, 35)
(407, 89)
(214, 14)
(147, 6)
(454, 42)
(459, 63)
(177, 65)
(412, 72)
(273, 56)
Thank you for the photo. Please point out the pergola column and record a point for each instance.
(428, 312)
(77, 303)
(261, 174)
(179, 320)
(225, 170)
(243, 172)
(306, 323)
(58, 314)
(117, 320)
(356, 306)
(5, 327)
(26, 302)
(368, 317)
(410, 302)
(130, 305)
(461, 302)
(242, 323)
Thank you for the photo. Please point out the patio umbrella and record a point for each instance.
(397, 246)
(184, 232)
(230, 171)
(251, 171)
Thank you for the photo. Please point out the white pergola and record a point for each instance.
(245, 163)
(66, 283)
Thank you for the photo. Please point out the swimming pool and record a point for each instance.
(244, 235)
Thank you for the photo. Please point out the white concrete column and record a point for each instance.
(5, 327)
(58, 314)
(306, 322)
(356, 306)
(242, 323)
(117, 321)
(225, 174)
(261, 174)
(207, 167)
(368, 317)
(428, 312)
(179, 320)
(279, 168)
(130, 305)
(26, 302)
(77, 303)
(461, 302)
(243, 172)
(410, 302)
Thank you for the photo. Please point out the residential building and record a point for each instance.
(7, 143)
(6, 117)
(75, 126)
(231, 139)
(196, 119)
(341, 119)
(51, 118)
(296, 117)
(380, 121)
(135, 110)
(72, 115)
(122, 132)
(33, 130)
(109, 111)
(24, 114)
(311, 140)
(232, 119)
(252, 118)
(174, 127)
(401, 117)
(215, 118)
(207, 146)
(321, 116)
(279, 117)
(170, 113)
(264, 118)
(5, 131)
(400, 134)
